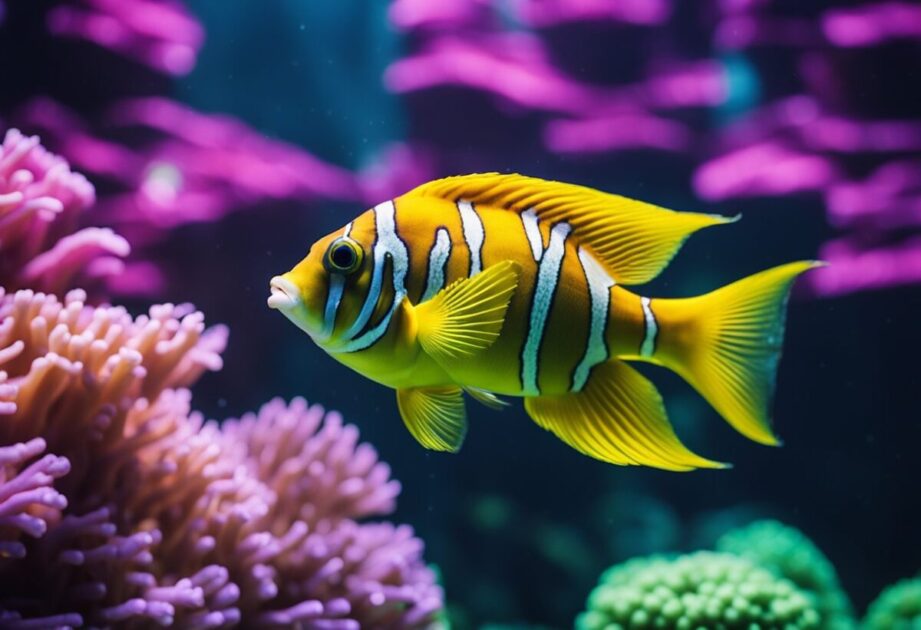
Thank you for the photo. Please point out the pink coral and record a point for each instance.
(142, 511)
(28, 500)
(41, 202)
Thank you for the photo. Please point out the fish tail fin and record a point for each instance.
(727, 344)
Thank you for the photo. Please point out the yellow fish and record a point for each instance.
(496, 284)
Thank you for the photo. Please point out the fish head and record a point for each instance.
(323, 294)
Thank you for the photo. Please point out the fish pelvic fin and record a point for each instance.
(466, 317)
(727, 345)
(634, 240)
(618, 418)
(435, 416)
(486, 398)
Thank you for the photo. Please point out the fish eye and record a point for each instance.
(343, 256)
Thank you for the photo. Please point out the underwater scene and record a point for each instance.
(460, 314)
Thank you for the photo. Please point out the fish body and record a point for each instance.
(508, 285)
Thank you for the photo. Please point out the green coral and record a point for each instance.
(717, 591)
(898, 607)
(788, 553)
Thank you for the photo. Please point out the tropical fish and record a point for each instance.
(495, 285)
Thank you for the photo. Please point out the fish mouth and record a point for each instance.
(284, 295)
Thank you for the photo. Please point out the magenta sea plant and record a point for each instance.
(827, 139)
(191, 167)
(119, 506)
(828, 142)
(161, 164)
(160, 34)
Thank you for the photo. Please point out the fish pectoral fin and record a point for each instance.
(617, 418)
(435, 416)
(486, 398)
(466, 316)
(634, 240)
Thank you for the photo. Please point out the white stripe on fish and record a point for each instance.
(438, 260)
(648, 346)
(599, 291)
(548, 277)
(474, 235)
(387, 244)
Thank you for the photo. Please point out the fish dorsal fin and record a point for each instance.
(632, 239)
(466, 317)
(435, 416)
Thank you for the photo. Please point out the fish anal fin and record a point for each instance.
(435, 416)
(617, 418)
(486, 398)
(634, 240)
(466, 316)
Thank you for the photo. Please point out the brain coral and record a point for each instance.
(699, 590)
(788, 553)
(898, 607)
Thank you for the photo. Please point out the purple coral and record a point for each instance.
(82, 382)
(28, 500)
(41, 201)
(327, 565)
(145, 512)
(312, 462)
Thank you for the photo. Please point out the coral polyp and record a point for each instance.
(701, 590)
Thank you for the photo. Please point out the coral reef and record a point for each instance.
(789, 554)
(704, 589)
(764, 574)
(41, 202)
(141, 510)
(92, 387)
(898, 607)
(119, 506)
